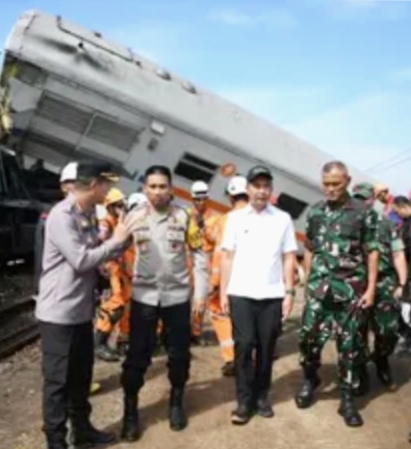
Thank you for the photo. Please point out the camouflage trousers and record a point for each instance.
(319, 319)
(384, 319)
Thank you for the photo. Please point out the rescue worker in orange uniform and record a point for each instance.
(202, 219)
(115, 310)
(237, 191)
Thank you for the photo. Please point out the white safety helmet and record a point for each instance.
(199, 189)
(69, 172)
(135, 200)
(237, 185)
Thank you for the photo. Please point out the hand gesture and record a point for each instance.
(121, 232)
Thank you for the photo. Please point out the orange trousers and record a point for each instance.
(116, 308)
(222, 327)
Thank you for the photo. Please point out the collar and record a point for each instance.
(268, 210)
(349, 204)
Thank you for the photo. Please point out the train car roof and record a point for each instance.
(138, 81)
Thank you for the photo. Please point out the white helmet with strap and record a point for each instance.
(199, 190)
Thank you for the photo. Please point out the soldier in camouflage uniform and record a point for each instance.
(392, 277)
(340, 247)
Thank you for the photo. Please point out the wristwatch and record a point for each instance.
(290, 291)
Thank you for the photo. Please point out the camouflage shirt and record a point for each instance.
(340, 239)
(389, 241)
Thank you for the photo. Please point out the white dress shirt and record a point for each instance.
(259, 240)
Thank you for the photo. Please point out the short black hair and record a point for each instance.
(335, 164)
(88, 170)
(401, 200)
(158, 170)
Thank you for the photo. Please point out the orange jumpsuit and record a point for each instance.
(116, 308)
(221, 322)
(210, 217)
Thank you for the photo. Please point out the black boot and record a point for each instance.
(131, 430)
(85, 435)
(228, 370)
(177, 416)
(56, 442)
(384, 371)
(305, 395)
(264, 407)
(102, 350)
(349, 411)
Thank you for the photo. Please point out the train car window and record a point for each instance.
(292, 205)
(193, 168)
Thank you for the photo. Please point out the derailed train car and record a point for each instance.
(19, 211)
(75, 94)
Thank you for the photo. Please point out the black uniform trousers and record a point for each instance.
(256, 327)
(143, 336)
(68, 357)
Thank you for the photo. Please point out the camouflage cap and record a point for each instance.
(364, 191)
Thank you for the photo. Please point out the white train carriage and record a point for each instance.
(75, 94)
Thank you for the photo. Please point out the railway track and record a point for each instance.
(18, 326)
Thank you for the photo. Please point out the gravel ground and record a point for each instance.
(209, 402)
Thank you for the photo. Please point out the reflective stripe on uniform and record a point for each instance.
(227, 343)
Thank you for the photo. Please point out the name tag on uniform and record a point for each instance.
(142, 234)
(175, 234)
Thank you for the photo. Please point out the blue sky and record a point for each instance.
(334, 72)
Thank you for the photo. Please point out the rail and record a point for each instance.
(18, 326)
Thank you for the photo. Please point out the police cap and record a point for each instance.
(100, 170)
(259, 171)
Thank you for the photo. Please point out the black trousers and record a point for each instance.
(143, 334)
(68, 357)
(256, 326)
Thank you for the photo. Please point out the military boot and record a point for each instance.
(305, 396)
(102, 350)
(349, 411)
(384, 371)
(56, 442)
(177, 416)
(131, 429)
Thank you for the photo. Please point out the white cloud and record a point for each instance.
(364, 10)
(277, 17)
(365, 132)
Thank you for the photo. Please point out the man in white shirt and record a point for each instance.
(257, 279)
